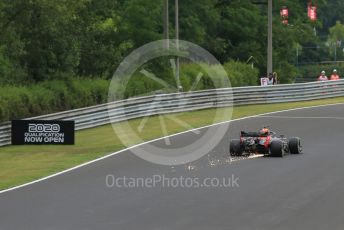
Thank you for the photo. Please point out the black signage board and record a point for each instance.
(42, 132)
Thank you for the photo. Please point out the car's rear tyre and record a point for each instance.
(236, 148)
(276, 148)
(295, 145)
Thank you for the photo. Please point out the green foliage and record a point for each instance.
(329, 13)
(335, 41)
(286, 73)
(45, 29)
(141, 21)
(313, 71)
(201, 76)
(241, 74)
(47, 97)
(336, 32)
(193, 76)
(238, 73)
(140, 85)
(102, 47)
(50, 39)
(188, 76)
(241, 42)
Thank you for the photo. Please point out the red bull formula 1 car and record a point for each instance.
(264, 142)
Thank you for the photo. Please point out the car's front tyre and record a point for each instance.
(295, 145)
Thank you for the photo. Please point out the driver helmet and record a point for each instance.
(264, 131)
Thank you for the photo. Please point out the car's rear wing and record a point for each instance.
(252, 134)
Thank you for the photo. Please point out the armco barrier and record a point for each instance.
(178, 102)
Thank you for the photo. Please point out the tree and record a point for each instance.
(336, 32)
(48, 39)
(102, 47)
(330, 11)
(45, 29)
(243, 30)
(335, 39)
(141, 21)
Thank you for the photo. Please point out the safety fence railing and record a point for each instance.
(116, 111)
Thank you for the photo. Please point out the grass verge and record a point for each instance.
(22, 164)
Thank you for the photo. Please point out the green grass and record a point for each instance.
(21, 164)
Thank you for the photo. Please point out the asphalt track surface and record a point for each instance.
(295, 192)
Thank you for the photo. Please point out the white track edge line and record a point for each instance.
(157, 139)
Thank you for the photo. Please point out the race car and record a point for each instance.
(264, 142)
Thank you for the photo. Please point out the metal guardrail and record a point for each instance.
(98, 115)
